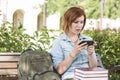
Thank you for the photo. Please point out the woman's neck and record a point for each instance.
(73, 37)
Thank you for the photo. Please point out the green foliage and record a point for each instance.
(92, 7)
(112, 9)
(42, 39)
(13, 39)
(114, 76)
(61, 6)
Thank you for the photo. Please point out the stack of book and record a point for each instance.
(91, 74)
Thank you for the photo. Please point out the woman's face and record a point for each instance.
(77, 26)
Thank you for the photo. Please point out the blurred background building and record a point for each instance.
(27, 13)
(32, 17)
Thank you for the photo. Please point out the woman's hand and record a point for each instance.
(92, 60)
(78, 48)
(90, 49)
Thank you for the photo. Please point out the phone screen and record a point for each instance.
(88, 42)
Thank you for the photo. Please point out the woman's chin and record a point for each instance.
(78, 32)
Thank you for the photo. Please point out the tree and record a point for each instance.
(112, 9)
(92, 7)
(61, 5)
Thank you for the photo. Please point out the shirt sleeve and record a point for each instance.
(57, 53)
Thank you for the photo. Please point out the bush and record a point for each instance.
(12, 39)
(42, 39)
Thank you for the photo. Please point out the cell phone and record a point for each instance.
(89, 42)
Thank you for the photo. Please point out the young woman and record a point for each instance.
(67, 53)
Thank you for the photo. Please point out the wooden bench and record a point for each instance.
(8, 65)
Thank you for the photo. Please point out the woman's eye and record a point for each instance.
(76, 22)
(79, 22)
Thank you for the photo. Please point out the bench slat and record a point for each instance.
(8, 65)
(8, 72)
(9, 58)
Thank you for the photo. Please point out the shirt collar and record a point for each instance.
(64, 37)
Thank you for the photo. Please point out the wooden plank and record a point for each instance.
(9, 58)
(8, 72)
(9, 65)
(9, 78)
(8, 53)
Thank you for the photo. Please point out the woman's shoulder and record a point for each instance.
(60, 38)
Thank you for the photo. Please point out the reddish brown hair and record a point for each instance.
(71, 15)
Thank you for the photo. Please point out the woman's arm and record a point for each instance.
(65, 64)
(92, 60)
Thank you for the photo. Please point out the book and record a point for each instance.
(81, 78)
(91, 74)
(96, 70)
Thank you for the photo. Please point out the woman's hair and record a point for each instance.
(71, 15)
